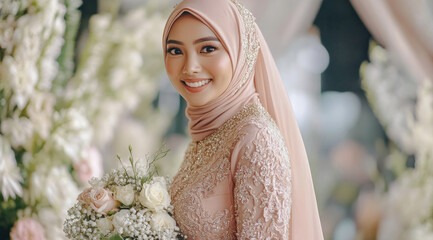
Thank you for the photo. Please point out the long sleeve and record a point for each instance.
(262, 186)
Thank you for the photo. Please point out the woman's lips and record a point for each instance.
(196, 85)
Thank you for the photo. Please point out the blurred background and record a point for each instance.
(91, 82)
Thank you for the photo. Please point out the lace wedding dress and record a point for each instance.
(236, 182)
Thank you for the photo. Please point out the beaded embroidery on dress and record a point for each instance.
(236, 182)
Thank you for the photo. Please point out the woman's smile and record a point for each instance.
(196, 85)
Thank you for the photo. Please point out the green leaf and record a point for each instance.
(112, 212)
(116, 237)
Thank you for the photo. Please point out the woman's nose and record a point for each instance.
(192, 65)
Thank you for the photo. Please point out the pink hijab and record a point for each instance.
(255, 75)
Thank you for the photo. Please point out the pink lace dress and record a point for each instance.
(235, 183)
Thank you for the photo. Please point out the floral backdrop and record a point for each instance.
(404, 107)
(57, 117)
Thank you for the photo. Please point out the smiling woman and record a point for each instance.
(197, 64)
(245, 174)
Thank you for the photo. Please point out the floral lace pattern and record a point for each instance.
(235, 183)
(262, 187)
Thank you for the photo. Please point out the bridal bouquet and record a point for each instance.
(128, 203)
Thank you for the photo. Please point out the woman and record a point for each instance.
(246, 173)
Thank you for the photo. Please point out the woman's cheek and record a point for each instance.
(169, 66)
(222, 69)
(172, 68)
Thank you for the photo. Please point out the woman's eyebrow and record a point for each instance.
(210, 38)
(204, 39)
(175, 42)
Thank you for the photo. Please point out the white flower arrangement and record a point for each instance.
(405, 109)
(126, 203)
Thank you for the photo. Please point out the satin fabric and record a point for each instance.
(403, 28)
(225, 20)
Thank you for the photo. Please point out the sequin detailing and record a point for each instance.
(249, 41)
(220, 193)
(263, 187)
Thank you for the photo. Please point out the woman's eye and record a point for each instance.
(174, 51)
(208, 49)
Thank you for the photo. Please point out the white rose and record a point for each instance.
(104, 224)
(161, 221)
(125, 194)
(155, 195)
(119, 219)
(160, 180)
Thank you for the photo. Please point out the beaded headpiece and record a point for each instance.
(249, 40)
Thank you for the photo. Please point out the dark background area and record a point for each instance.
(346, 39)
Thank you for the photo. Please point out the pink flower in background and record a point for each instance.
(27, 229)
(100, 199)
(90, 165)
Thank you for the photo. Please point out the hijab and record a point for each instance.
(254, 75)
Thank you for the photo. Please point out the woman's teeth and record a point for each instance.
(197, 84)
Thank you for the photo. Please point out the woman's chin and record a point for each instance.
(197, 101)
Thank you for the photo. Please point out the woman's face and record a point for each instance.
(197, 64)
